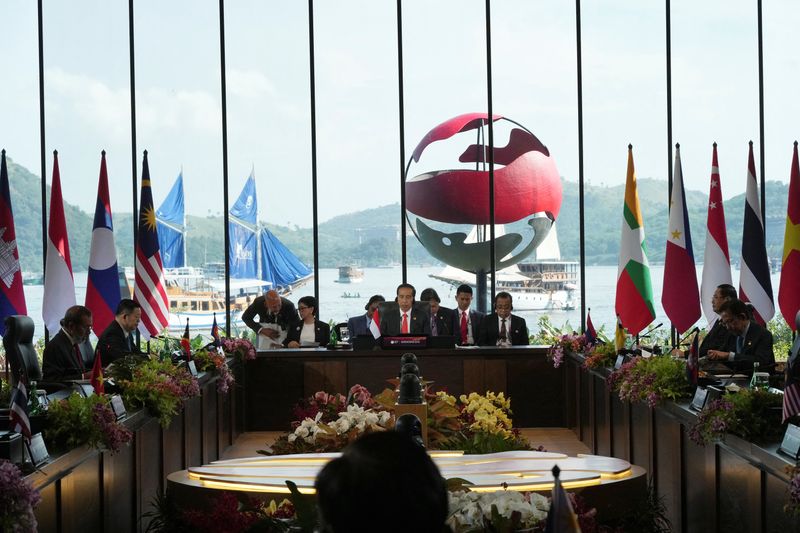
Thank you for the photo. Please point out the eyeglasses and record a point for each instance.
(302, 307)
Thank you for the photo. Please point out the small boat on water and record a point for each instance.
(351, 295)
(350, 274)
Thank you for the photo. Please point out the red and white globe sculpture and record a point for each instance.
(448, 210)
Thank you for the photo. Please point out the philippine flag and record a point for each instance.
(59, 287)
(102, 288)
(680, 296)
(12, 298)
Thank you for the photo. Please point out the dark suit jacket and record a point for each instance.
(284, 318)
(444, 321)
(717, 338)
(322, 332)
(60, 362)
(357, 325)
(475, 317)
(490, 331)
(114, 344)
(757, 347)
(419, 323)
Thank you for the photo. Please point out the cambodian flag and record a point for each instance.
(12, 298)
(102, 288)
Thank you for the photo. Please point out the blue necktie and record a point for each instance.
(739, 344)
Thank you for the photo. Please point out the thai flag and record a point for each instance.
(716, 259)
(755, 285)
(590, 333)
(102, 288)
(680, 296)
(12, 297)
(375, 325)
(59, 287)
(19, 411)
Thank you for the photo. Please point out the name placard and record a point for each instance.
(38, 450)
(192, 368)
(620, 361)
(791, 442)
(699, 400)
(405, 342)
(118, 406)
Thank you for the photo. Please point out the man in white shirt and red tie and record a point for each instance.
(466, 323)
(409, 320)
(501, 328)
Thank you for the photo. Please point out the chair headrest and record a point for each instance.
(19, 329)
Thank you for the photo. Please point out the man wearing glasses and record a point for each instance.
(62, 359)
(749, 342)
(501, 328)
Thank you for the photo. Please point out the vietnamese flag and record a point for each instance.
(680, 297)
(789, 289)
(634, 298)
(97, 374)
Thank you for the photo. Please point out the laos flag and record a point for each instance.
(102, 288)
(12, 299)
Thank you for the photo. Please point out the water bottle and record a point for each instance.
(754, 379)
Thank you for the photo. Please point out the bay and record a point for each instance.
(600, 294)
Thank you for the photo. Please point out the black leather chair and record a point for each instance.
(21, 353)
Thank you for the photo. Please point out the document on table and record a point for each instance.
(265, 343)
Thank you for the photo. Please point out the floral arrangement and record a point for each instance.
(17, 500)
(601, 356)
(75, 421)
(481, 511)
(792, 506)
(241, 349)
(212, 361)
(650, 379)
(751, 414)
(566, 343)
(160, 386)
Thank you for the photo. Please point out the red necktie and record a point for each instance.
(404, 324)
(503, 332)
(79, 357)
(463, 327)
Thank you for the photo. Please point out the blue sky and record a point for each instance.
(715, 91)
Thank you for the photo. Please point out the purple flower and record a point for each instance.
(17, 500)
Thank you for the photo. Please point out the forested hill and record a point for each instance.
(339, 242)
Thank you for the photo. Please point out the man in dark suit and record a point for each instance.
(465, 323)
(117, 340)
(441, 318)
(62, 359)
(409, 319)
(749, 342)
(359, 325)
(274, 311)
(718, 336)
(501, 328)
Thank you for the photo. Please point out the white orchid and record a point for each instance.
(468, 509)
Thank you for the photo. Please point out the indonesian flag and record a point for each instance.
(12, 297)
(789, 291)
(680, 297)
(755, 285)
(375, 325)
(102, 287)
(59, 287)
(634, 298)
(716, 259)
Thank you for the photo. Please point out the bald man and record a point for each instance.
(275, 313)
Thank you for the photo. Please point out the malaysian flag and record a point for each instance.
(19, 411)
(755, 285)
(150, 290)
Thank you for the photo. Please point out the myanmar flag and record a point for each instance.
(634, 302)
(789, 290)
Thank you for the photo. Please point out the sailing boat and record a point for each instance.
(547, 283)
(255, 252)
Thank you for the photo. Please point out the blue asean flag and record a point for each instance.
(12, 297)
(102, 287)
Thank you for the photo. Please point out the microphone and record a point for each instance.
(651, 330)
(682, 342)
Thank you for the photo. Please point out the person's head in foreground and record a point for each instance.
(382, 482)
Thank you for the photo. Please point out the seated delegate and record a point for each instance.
(307, 330)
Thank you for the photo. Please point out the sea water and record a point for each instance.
(600, 294)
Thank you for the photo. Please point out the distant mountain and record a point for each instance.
(369, 237)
